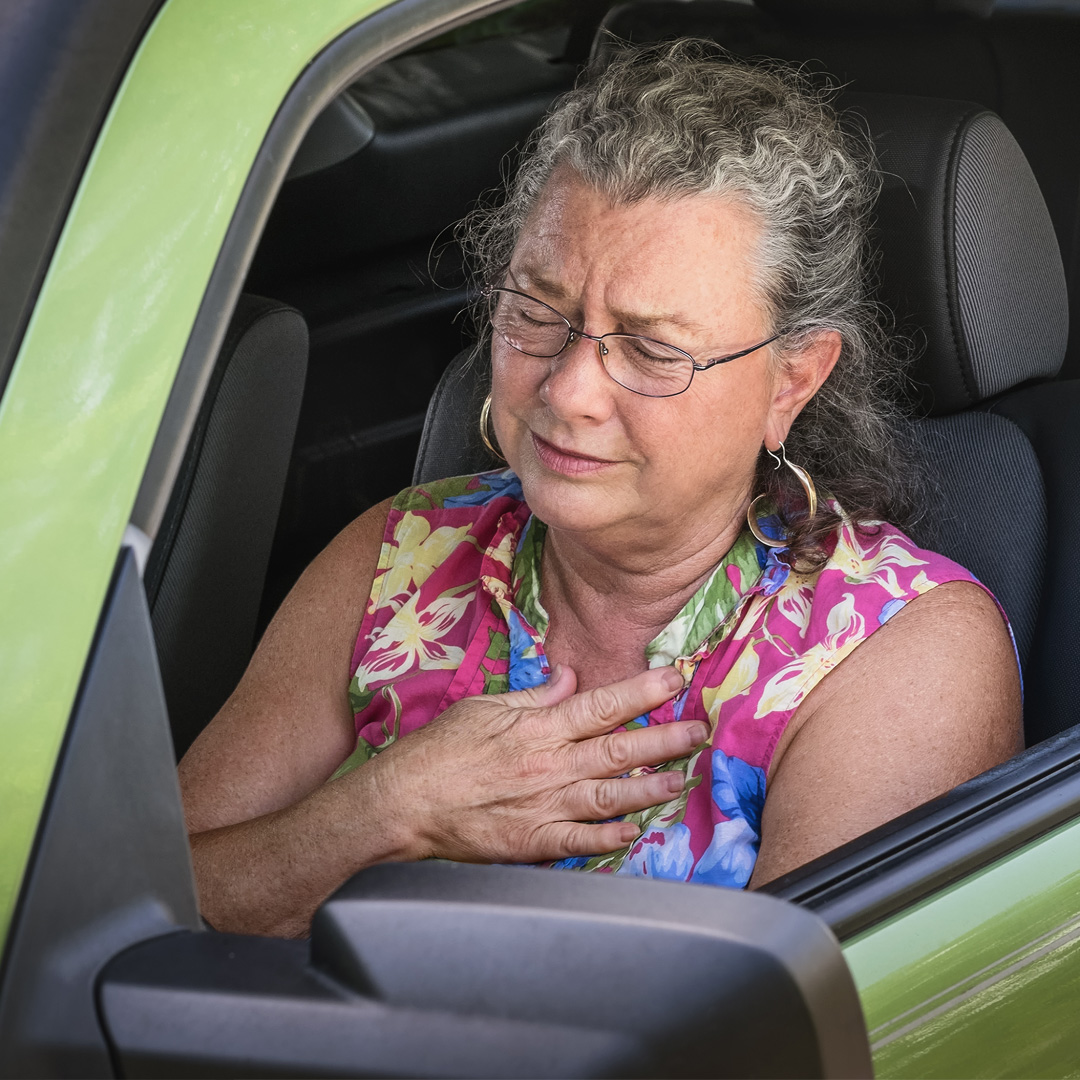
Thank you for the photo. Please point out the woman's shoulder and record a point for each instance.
(475, 494)
(875, 552)
(877, 569)
(438, 534)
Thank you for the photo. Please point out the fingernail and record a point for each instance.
(555, 674)
(628, 833)
(672, 680)
(699, 733)
(674, 782)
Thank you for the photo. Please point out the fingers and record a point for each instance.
(592, 800)
(561, 684)
(565, 839)
(598, 711)
(618, 753)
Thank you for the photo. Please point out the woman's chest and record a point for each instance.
(599, 656)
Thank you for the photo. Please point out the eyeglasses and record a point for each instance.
(638, 363)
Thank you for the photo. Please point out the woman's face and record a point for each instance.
(591, 455)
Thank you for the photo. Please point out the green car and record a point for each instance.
(227, 327)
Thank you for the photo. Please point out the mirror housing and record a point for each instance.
(444, 969)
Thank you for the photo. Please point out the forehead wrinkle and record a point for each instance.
(529, 277)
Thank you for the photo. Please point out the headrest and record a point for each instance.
(969, 254)
(872, 9)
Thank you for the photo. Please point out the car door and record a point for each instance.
(432, 969)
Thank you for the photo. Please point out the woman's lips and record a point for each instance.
(566, 462)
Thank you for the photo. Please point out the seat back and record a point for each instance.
(204, 578)
(970, 261)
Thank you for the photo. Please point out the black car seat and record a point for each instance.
(204, 577)
(970, 259)
(1022, 64)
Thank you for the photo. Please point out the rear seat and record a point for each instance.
(1025, 66)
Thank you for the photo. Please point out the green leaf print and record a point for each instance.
(433, 496)
(495, 684)
(364, 752)
(359, 697)
(498, 646)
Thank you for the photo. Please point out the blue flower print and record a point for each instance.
(661, 853)
(729, 859)
(491, 485)
(890, 608)
(775, 571)
(772, 527)
(526, 665)
(738, 790)
(571, 862)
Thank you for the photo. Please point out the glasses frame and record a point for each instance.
(572, 334)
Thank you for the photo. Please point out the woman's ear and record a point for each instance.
(799, 381)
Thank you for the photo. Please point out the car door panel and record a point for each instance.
(111, 863)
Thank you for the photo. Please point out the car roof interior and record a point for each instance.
(359, 250)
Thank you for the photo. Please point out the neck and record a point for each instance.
(614, 591)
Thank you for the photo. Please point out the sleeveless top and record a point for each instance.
(455, 610)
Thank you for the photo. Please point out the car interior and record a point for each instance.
(346, 375)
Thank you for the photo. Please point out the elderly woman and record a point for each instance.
(680, 595)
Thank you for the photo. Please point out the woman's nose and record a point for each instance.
(578, 383)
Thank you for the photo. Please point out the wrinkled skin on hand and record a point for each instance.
(521, 777)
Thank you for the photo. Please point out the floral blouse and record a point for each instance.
(455, 610)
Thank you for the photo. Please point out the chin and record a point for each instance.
(578, 505)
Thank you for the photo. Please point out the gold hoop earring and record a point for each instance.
(485, 423)
(804, 479)
(808, 488)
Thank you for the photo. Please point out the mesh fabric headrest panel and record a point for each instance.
(969, 255)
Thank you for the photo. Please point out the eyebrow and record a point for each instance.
(535, 279)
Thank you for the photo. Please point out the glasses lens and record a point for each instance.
(527, 324)
(646, 366)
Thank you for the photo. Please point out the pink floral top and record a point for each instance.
(455, 610)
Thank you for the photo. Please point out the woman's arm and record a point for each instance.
(287, 726)
(929, 700)
(504, 778)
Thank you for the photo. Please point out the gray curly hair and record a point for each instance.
(685, 118)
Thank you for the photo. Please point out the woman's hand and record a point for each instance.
(518, 777)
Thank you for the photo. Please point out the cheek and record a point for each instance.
(514, 396)
(513, 384)
(716, 436)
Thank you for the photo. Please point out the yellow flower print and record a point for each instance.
(795, 604)
(873, 560)
(412, 639)
(738, 680)
(419, 551)
(504, 552)
(921, 583)
(787, 688)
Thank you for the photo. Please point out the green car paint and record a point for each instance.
(982, 978)
(99, 356)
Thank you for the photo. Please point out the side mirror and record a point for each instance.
(442, 969)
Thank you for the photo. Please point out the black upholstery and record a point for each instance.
(969, 249)
(1020, 65)
(204, 578)
(450, 444)
(984, 464)
(1047, 416)
(974, 266)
